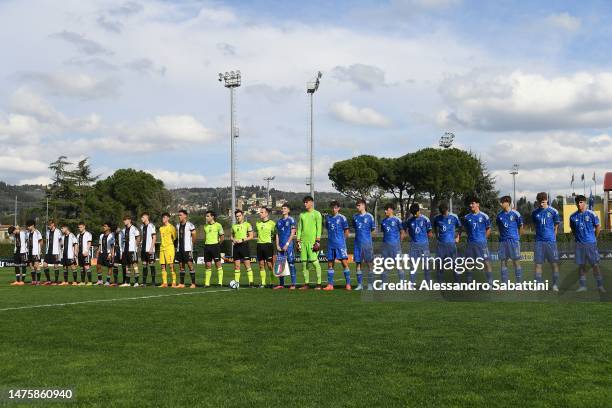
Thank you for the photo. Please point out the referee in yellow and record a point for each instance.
(266, 229)
(212, 247)
(166, 252)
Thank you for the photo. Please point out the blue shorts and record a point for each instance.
(509, 250)
(477, 250)
(336, 253)
(363, 252)
(289, 253)
(391, 250)
(587, 253)
(446, 250)
(545, 252)
(418, 250)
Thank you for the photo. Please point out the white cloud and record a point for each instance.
(564, 21)
(40, 180)
(78, 85)
(365, 77)
(347, 112)
(523, 101)
(83, 45)
(426, 4)
(174, 179)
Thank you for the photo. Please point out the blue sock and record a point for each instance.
(457, 277)
(519, 275)
(427, 275)
(293, 273)
(504, 274)
(538, 277)
(582, 281)
(359, 278)
(555, 278)
(347, 276)
(383, 277)
(281, 280)
(489, 276)
(370, 278)
(599, 281)
(469, 277)
(330, 276)
(440, 275)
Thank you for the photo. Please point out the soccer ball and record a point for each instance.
(234, 284)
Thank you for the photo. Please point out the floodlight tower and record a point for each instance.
(514, 173)
(232, 80)
(446, 141)
(268, 180)
(311, 88)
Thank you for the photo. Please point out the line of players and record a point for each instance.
(119, 248)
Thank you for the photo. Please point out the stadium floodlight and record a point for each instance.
(311, 88)
(232, 80)
(446, 141)
(514, 173)
(268, 180)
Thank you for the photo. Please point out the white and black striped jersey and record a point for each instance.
(84, 239)
(183, 232)
(129, 235)
(34, 238)
(68, 242)
(119, 238)
(54, 241)
(21, 242)
(148, 231)
(107, 242)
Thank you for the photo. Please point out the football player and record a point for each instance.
(285, 233)
(546, 220)
(167, 234)
(186, 233)
(70, 249)
(510, 225)
(337, 231)
(477, 226)
(147, 251)
(309, 241)
(52, 252)
(105, 254)
(419, 229)
(35, 241)
(84, 257)
(586, 228)
(20, 257)
(364, 225)
(131, 238)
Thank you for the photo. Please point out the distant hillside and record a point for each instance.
(28, 196)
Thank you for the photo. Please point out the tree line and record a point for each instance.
(427, 174)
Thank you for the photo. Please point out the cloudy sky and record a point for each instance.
(134, 83)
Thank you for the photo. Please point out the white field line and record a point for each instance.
(113, 300)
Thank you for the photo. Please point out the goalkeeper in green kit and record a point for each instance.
(309, 240)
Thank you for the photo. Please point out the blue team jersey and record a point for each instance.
(417, 228)
(476, 226)
(509, 224)
(391, 228)
(545, 220)
(336, 225)
(364, 225)
(446, 227)
(583, 226)
(283, 229)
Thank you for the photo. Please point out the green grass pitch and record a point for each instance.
(258, 347)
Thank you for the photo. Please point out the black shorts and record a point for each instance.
(103, 260)
(117, 259)
(129, 258)
(146, 256)
(51, 259)
(184, 257)
(84, 260)
(212, 252)
(32, 259)
(241, 251)
(20, 259)
(265, 252)
(68, 261)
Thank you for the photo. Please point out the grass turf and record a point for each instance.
(258, 347)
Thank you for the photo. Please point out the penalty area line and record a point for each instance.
(111, 300)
